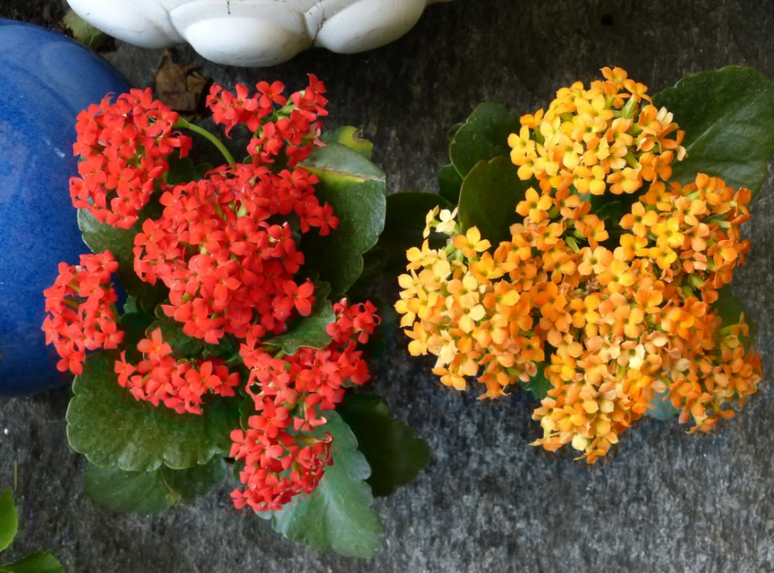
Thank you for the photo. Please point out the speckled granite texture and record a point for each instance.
(487, 501)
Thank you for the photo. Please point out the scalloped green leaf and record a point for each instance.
(662, 409)
(183, 346)
(130, 306)
(539, 384)
(308, 332)
(730, 309)
(9, 520)
(449, 184)
(133, 325)
(489, 197)
(356, 190)
(379, 344)
(38, 562)
(150, 492)
(185, 170)
(180, 170)
(374, 262)
(452, 131)
(484, 135)
(405, 223)
(336, 162)
(338, 514)
(728, 119)
(100, 237)
(350, 136)
(111, 428)
(395, 454)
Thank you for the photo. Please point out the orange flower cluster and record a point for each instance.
(614, 325)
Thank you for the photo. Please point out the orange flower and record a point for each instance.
(595, 261)
(639, 220)
(613, 329)
(534, 206)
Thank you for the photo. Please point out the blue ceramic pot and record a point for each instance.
(46, 79)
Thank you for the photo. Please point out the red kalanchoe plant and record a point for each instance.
(228, 342)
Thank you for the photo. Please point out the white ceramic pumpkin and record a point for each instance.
(254, 33)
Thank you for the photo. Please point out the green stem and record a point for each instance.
(183, 124)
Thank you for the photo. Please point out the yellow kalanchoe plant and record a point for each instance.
(616, 312)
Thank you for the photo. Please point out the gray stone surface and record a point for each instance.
(487, 501)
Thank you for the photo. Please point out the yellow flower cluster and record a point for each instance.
(593, 139)
(613, 325)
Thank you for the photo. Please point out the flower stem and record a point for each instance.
(183, 124)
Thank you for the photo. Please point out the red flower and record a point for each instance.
(179, 384)
(290, 394)
(123, 147)
(81, 311)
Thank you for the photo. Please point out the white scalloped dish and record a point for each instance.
(254, 33)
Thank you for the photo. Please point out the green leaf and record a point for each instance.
(84, 32)
(379, 344)
(610, 212)
(539, 384)
(662, 410)
(395, 455)
(728, 119)
(226, 347)
(356, 190)
(201, 170)
(150, 492)
(38, 562)
(108, 426)
(9, 520)
(730, 310)
(336, 163)
(308, 332)
(449, 183)
(405, 223)
(338, 514)
(130, 306)
(452, 131)
(374, 262)
(484, 135)
(185, 170)
(728, 306)
(489, 197)
(133, 325)
(100, 237)
(322, 290)
(349, 136)
(183, 346)
(180, 170)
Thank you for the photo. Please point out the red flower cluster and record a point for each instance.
(295, 129)
(124, 148)
(179, 384)
(282, 457)
(228, 268)
(81, 313)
